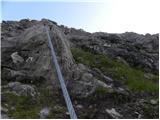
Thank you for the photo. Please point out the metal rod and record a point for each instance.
(61, 80)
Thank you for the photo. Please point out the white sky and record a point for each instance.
(140, 16)
(118, 16)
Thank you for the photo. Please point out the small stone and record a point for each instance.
(90, 106)
(67, 113)
(113, 113)
(81, 66)
(122, 61)
(153, 102)
(12, 108)
(29, 59)
(120, 89)
(79, 106)
(138, 114)
(142, 101)
(102, 84)
(108, 78)
(44, 112)
(6, 105)
(4, 110)
(16, 58)
(87, 76)
(107, 45)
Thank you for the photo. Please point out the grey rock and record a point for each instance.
(153, 102)
(113, 113)
(29, 59)
(128, 46)
(122, 61)
(122, 91)
(148, 75)
(67, 113)
(4, 110)
(21, 89)
(16, 58)
(108, 79)
(87, 85)
(79, 106)
(138, 115)
(87, 76)
(97, 72)
(44, 113)
(107, 45)
(82, 67)
(29, 39)
(33, 46)
(102, 84)
(16, 73)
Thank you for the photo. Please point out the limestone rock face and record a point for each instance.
(96, 87)
(32, 43)
(136, 49)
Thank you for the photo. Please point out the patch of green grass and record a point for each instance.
(25, 113)
(20, 106)
(53, 101)
(28, 107)
(100, 91)
(131, 77)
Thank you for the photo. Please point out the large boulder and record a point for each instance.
(20, 89)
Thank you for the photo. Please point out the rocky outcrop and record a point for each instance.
(32, 45)
(138, 50)
(32, 56)
(28, 72)
(20, 89)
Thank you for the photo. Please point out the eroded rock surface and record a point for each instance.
(104, 73)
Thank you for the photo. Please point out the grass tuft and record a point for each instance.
(20, 106)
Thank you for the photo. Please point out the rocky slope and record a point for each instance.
(107, 75)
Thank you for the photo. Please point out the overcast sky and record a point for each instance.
(113, 16)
